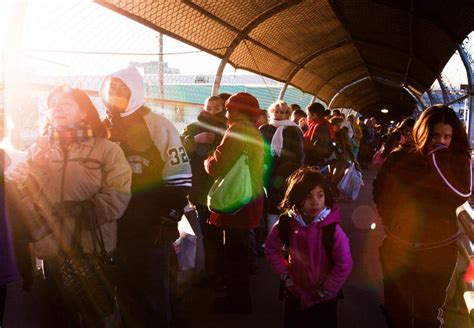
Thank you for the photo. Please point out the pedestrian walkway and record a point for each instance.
(363, 292)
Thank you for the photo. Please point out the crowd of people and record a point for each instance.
(99, 202)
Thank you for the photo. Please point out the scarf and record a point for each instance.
(277, 139)
(318, 218)
(67, 135)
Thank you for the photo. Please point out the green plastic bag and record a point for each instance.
(231, 192)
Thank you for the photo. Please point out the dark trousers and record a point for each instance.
(415, 284)
(236, 264)
(147, 286)
(213, 247)
(322, 315)
(3, 296)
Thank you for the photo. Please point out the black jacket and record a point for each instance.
(198, 153)
(413, 200)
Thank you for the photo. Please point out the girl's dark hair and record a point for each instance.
(92, 118)
(300, 183)
(424, 126)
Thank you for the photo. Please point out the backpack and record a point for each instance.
(284, 233)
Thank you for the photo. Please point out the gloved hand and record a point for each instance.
(76, 210)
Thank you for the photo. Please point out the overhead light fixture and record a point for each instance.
(391, 122)
(385, 111)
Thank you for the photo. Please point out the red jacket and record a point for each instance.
(222, 160)
(310, 134)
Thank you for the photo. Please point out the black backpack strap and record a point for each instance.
(284, 233)
(328, 241)
(284, 229)
(328, 244)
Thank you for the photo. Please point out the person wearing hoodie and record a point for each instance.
(313, 273)
(161, 179)
(200, 140)
(285, 141)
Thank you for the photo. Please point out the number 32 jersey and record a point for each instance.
(152, 146)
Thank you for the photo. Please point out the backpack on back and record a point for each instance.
(284, 233)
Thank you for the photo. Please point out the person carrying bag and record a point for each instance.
(232, 191)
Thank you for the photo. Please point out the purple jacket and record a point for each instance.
(308, 265)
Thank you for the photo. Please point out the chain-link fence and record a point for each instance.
(452, 87)
(79, 42)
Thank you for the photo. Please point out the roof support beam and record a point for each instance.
(467, 61)
(242, 35)
(410, 44)
(430, 96)
(397, 85)
(344, 88)
(393, 49)
(308, 59)
(444, 90)
(390, 71)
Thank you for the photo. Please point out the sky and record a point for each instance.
(52, 26)
(84, 26)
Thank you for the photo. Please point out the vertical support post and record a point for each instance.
(218, 78)
(160, 71)
(430, 96)
(283, 91)
(467, 61)
(444, 90)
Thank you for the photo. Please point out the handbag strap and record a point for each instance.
(76, 246)
(96, 232)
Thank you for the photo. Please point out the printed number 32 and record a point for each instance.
(178, 156)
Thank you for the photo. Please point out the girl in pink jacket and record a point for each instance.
(312, 277)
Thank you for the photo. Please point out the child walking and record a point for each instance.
(319, 259)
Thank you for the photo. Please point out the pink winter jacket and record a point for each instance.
(308, 265)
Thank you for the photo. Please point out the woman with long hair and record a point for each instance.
(417, 192)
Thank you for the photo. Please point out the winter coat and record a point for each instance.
(161, 173)
(317, 141)
(415, 203)
(279, 168)
(94, 170)
(222, 160)
(198, 152)
(308, 264)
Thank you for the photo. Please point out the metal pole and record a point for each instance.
(467, 61)
(160, 70)
(218, 78)
(444, 90)
(430, 96)
(283, 91)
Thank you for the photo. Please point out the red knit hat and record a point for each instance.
(244, 103)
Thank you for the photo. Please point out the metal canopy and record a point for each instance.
(322, 46)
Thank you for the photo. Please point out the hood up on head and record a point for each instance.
(134, 81)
